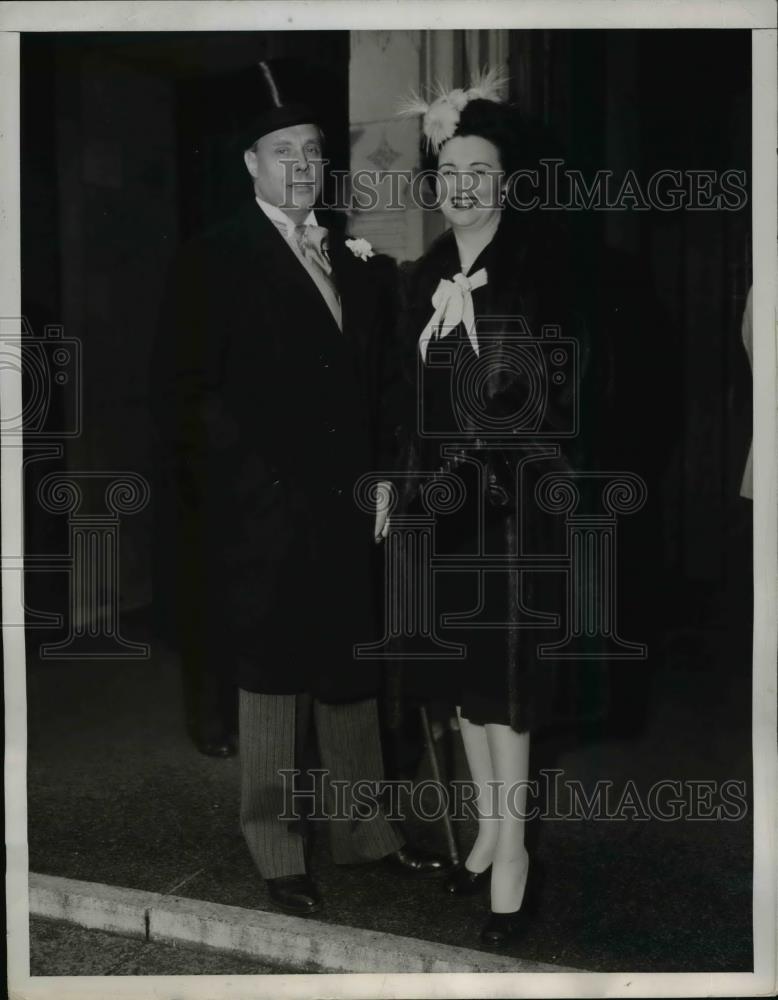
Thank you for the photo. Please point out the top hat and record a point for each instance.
(270, 95)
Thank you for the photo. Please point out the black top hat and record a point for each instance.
(267, 96)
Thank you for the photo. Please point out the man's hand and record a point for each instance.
(384, 491)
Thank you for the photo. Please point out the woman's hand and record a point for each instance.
(384, 492)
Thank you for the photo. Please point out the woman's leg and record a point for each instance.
(509, 752)
(479, 760)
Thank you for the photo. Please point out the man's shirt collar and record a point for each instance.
(281, 219)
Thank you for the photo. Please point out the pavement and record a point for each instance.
(66, 949)
(298, 944)
(118, 797)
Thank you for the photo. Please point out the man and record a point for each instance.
(276, 328)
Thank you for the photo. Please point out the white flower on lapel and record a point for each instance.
(360, 248)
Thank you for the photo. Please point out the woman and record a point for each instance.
(505, 268)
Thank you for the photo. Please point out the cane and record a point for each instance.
(452, 844)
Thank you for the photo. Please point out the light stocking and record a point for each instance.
(509, 753)
(479, 761)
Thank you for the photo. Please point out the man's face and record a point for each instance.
(287, 167)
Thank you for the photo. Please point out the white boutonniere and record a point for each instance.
(360, 248)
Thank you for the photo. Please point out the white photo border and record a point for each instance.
(757, 15)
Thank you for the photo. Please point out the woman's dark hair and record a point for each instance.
(499, 123)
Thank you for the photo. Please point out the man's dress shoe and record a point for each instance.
(463, 882)
(217, 748)
(294, 893)
(410, 861)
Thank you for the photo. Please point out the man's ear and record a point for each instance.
(250, 159)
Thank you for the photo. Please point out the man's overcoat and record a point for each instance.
(268, 416)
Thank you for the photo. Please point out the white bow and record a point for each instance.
(453, 304)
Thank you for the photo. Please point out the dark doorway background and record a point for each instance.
(119, 166)
(669, 100)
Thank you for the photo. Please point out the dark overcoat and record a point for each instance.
(267, 414)
(524, 281)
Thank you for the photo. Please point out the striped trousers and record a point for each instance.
(271, 732)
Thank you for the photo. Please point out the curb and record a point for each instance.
(297, 943)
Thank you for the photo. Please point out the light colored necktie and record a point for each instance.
(453, 304)
(311, 243)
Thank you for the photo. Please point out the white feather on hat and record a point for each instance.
(441, 115)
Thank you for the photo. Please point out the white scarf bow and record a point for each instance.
(453, 304)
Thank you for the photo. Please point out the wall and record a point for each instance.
(385, 66)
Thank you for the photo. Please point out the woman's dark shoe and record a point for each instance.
(502, 928)
(294, 893)
(463, 882)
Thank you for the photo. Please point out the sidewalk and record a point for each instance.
(64, 949)
(118, 796)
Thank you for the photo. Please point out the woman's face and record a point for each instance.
(470, 180)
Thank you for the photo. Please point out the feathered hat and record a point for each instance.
(441, 114)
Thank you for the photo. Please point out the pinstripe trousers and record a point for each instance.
(271, 731)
